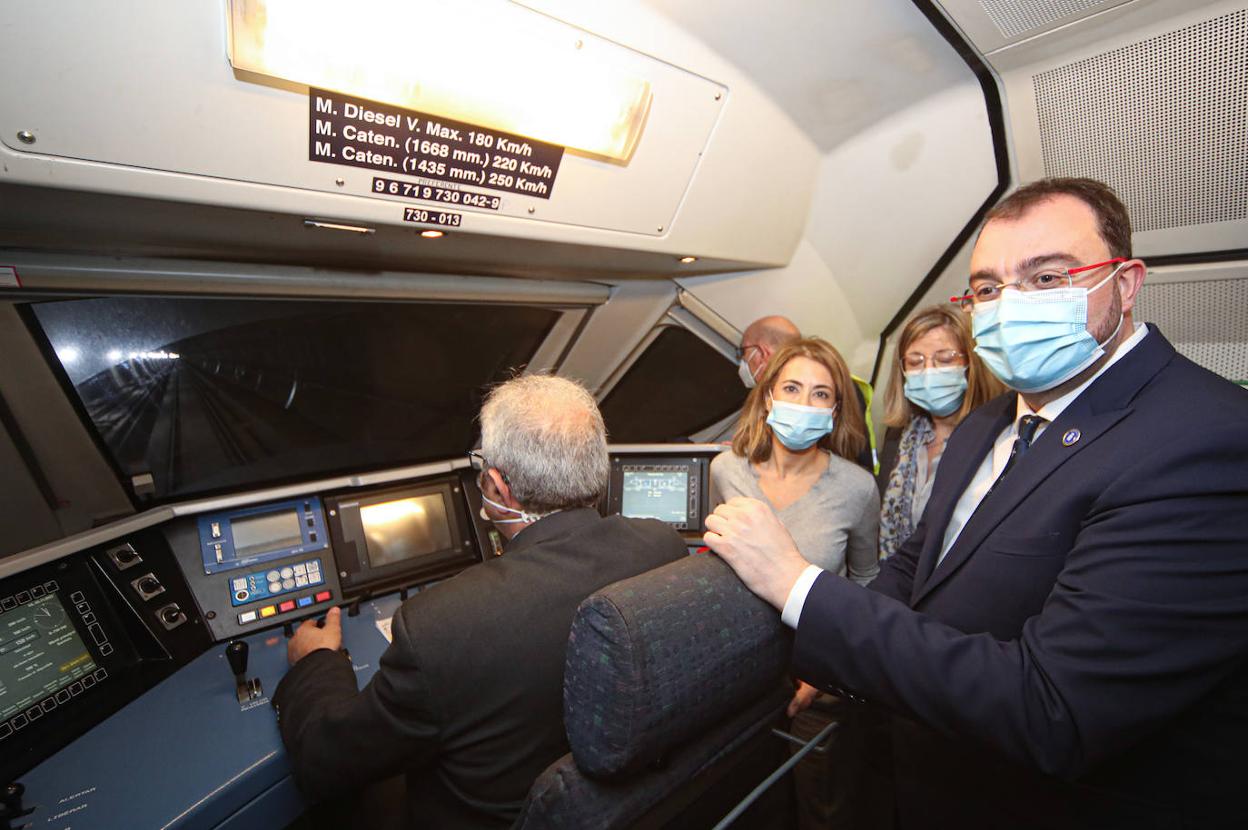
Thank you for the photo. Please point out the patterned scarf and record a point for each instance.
(896, 523)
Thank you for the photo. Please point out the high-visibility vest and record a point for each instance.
(865, 389)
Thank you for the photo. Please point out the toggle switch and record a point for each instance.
(11, 807)
(171, 616)
(147, 586)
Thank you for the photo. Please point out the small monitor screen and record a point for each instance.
(40, 653)
(405, 529)
(268, 531)
(656, 495)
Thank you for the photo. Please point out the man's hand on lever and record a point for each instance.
(749, 537)
(308, 637)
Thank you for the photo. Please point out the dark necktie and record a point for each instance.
(1027, 426)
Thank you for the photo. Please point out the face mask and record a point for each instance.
(939, 391)
(799, 427)
(527, 518)
(743, 371)
(1036, 340)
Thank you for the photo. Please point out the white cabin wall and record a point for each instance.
(874, 229)
(888, 198)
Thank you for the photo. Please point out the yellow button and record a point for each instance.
(268, 611)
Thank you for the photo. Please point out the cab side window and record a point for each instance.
(676, 388)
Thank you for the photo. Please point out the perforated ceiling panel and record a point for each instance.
(1016, 17)
(1206, 322)
(1164, 121)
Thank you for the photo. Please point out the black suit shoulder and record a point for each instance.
(573, 560)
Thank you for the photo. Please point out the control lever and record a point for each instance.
(11, 806)
(246, 688)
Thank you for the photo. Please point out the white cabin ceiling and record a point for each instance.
(836, 69)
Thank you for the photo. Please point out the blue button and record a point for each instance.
(304, 602)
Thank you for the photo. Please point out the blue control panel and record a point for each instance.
(227, 768)
(247, 536)
(273, 582)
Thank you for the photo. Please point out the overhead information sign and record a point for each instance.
(446, 156)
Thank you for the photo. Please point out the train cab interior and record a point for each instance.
(261, 259)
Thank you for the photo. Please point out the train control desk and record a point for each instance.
(187, 754)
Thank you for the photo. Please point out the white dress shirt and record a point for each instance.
(989, 469)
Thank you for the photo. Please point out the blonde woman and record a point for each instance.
(936, 380)
(799, 433)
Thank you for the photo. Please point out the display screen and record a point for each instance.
(656, 495)
(404, 529)
(40, 653)
(268, 531)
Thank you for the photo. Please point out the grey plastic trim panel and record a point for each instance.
(632, 358)
(708, 316)
(70, 545)
(33, 558)
(547, 356)
(665, 449)
(708, 335)
(63, 272)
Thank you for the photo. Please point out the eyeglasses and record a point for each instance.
(743, 350)
(985, 291)
(943, 359)
(480, 464)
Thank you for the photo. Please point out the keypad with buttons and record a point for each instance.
(273, 582)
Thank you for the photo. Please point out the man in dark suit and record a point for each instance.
(468, 699)
(1065, 637)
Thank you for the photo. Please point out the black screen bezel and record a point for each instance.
(24, 748)
(359, 577)
(696, 470)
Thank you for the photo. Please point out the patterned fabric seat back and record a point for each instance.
(666, 673)
(659, 658)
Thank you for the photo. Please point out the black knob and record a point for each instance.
(149, 585)
(236, 653)
(172, 613)
(11, 797)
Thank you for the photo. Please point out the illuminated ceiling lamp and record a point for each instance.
(484, 62)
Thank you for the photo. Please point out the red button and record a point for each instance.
(323, 596)
(288, 605)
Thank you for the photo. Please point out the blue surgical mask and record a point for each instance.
(799, 427)
(1036, 340)
(938, 390)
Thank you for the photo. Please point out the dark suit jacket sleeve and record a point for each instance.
(1149, 613)
(340, 739)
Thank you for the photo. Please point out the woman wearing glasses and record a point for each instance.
(936, 380)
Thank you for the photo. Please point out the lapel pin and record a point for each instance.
(1071, 437)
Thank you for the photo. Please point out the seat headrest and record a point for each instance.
(663, 656)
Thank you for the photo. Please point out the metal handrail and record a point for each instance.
(806, 749)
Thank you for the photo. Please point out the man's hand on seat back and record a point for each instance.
(748, 536)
